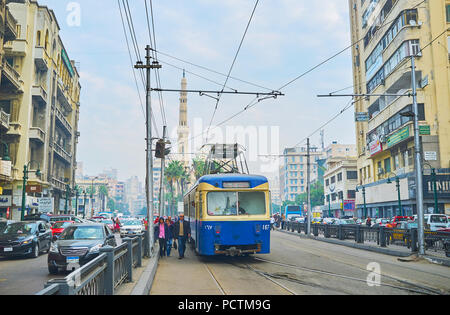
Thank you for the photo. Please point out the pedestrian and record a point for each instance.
(272, 222)
(368, 222)
(170, 236)
(282, 221)
(182, 232)
(116, 225)
(162, 233)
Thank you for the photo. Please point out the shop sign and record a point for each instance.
(442, 186)
(430, 156)
(425, 130)
(375, 147)
(397, 137)
(360, 117)
(33, 189)
(349, 205)
(5, 168)
(5, 201)
(45, 205)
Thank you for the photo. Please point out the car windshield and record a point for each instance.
(438, 219)
(19, 228)
(54, 219)
(82, 233)
(236, 203)
(61, 225)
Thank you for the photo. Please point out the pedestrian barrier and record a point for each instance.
(437, 241)
(104, 274)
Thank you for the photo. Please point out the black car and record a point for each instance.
(25, 238)
(77, 245)
(52, 218)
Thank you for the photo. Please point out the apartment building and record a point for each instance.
(40, 92)
(340, 180)
(293, 171)
(386, 34)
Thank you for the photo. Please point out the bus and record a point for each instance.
(293, 211)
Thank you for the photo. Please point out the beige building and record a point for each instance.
(41, 93)
(391, 32)
(340, 180)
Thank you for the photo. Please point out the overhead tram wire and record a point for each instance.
(136, 49)
(151, 31)
(232, 66)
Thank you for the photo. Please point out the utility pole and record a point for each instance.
(163, 166)
(418, 168)
(149, 157)
(308, 186)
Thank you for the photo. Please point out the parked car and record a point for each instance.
(78, 244)
(380, 222)
(300, 219)
(293, 218)
(27, 238)
(328, 220)
(4, 224)
(434, 222)
(316, 220)
(59, 226)
(397, 220)
(344, 221)
(131, 228)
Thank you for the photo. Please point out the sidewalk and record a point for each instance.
(393, 250)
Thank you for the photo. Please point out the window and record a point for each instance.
(339, 177)
(333, 180)
(448, 12)
(387, 165)
(352, 175)
(327, 182)
(227, 203)
(351, 194)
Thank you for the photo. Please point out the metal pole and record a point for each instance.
(365, 206)
(76, 200)
(418, 168)
(433, 174)
(67, 198)
(400, 209)
(92, 198)
(25, 173)
(308, 188)
(161, 188)
(149, 154)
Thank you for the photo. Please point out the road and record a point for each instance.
(298, 266)
(25, 276)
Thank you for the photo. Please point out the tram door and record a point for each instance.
(198, 215)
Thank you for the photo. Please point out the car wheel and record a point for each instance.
(52, 270)
(36, 251)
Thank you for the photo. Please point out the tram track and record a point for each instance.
(412, 287)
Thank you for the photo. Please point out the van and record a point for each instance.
(435, 222)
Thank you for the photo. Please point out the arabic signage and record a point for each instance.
(67, 62)
(33, 189)
(442, 186)
(349, 205)
(45, 205)
(425, 130)
(360, 117)
(5, 168)
(375, 147)
(397, 137)
(5, 201)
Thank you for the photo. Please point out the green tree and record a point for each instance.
(103, 194)
(174, 173)
(199, 167)
(317, 191)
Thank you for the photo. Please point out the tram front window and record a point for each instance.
(236, 203)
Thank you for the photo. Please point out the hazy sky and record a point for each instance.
(286, 38)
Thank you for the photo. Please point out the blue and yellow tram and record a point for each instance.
(229, 214)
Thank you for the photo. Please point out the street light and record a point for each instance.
(397, 180)
(67, 198)
(433, 178)
(364, 197)
(84, 204)
(77, 193)
(25, 178)
(92, 196)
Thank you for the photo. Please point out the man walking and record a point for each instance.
(182, 231)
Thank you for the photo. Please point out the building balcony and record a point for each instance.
(10, 26)
(63, 96)
(63, 121)
(59, 184)
(65, 156)
(40, 58)
(4, 120)
(39, 94)
(11, 82)
(16, 47)
(37, 134)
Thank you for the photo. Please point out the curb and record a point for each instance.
(380, 250)
(437, 260)
(145, 282)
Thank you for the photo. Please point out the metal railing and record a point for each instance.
(104, 274)
(383, 236)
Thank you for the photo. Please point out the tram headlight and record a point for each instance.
(257, 229)
(217, 229)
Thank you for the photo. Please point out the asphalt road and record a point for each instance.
(26, 276)
(298, 266)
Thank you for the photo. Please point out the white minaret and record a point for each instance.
(183, 129)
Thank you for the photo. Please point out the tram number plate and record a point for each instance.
(208, 227)
(266, 227)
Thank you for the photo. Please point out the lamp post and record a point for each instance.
(25, 178)
(92, 196)
(397, 180)
(364, 198)
(67, 198)
(84, 204)
(77, 193)
(433, 178)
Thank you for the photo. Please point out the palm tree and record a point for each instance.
(103, 192)
(199, 167)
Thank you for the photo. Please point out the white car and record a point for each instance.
(435, 222)
(131, 228)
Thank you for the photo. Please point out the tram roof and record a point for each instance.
(218, 179)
